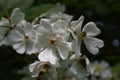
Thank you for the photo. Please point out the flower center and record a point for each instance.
(52, 40)
(82, 61)
(11, 27)
(46, 64)
(82, 34)
(26, 38)
(98, 68)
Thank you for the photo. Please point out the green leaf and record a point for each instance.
(36, 11)
(2, 2)
(25, 4)
(116, 68)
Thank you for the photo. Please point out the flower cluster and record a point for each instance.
(57, 40)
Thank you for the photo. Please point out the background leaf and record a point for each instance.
(116, 68)
(36, 11)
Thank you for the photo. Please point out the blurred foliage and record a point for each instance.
(116, 68)
(105, 13)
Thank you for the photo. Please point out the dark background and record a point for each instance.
(105, 13)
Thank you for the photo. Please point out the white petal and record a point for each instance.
(44, 33)
(42, 30)
(29, 47)
(75, 56)
(42, 43)
(27, 27)
(15, 37)
(76, 25)
(46, 28)
(76, 46)
(91, 29)
(3, 31)
(60, 26)
(104, 64)
(67, 17)
(63, 49)
(20, 47)
(48, 55)
(35, 68)
(93, 44)
(59, 15)
(4, 22)
(73, 35)
(5, 41)
(46, 24)
(17, 16)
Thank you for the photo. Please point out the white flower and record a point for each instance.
(43, 70)
(35, 68)
(87, 34)
(27, 74)
(8, 23)
(80, 68)
(61, 27)
(102, 69)
(51, 41)
(23, 38)
(54, 14)
(59, 15)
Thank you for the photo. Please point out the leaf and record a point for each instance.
(23, 4)
(36, 11)
(116, 68)
(2, 2)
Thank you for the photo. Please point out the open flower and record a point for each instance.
(87, 34)
(8, 23)
(42, 70)
(102, 69)
(54, 14)
(23, 38)
(51, 42)
(81, 68)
